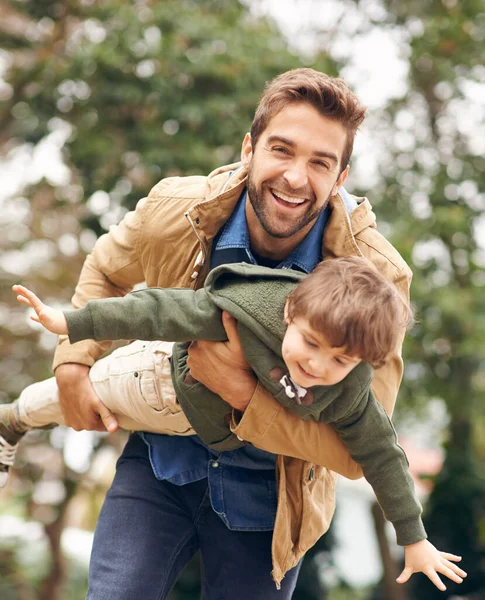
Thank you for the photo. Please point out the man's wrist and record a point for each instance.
(67, 371)
(243, 401)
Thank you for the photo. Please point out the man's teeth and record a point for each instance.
(289, 199)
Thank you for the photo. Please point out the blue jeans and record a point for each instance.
(148, 530)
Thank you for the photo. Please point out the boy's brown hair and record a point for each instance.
(349, 302)
(331, 96)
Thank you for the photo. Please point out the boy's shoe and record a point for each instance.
(10, 436)
(7, 457)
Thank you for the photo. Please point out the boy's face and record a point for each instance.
(310, 358)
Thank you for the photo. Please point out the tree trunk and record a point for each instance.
(393, 590)
(51, 586)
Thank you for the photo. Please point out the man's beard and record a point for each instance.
(256, 198)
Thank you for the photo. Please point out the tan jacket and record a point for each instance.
(166, 242)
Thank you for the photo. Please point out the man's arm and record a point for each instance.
(270, 426)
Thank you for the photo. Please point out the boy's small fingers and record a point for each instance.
(27, 293)
(455, 568)
(449, 556)
(35, 318)
(434, 577)
(444, 570)
(23, 299)
(405, 575)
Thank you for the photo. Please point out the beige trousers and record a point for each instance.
(134, 382)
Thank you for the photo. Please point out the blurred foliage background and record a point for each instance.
(100, 100)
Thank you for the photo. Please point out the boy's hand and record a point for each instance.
(423, 557)
(52, 319)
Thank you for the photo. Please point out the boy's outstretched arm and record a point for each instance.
(55, 321)
(171, 314)
(423, 557)
(52, 319)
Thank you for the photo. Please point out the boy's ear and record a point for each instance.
(285, 313)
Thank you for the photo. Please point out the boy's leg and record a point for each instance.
(36, 407)
(135, 383)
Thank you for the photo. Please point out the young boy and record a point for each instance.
(311, 340)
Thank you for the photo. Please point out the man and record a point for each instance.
(283, 207)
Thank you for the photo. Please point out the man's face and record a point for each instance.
(292, 172)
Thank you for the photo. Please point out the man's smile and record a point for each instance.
(286, 200)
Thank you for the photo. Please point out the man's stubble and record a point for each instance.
(256, 198)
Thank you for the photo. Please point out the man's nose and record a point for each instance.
(296, 175)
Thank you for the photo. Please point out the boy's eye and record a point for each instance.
(310, 344)
(340, 361)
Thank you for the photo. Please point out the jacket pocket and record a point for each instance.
(164, 393)
(142, 371)
(149, 391)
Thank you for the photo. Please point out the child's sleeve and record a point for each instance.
(151, 314)
(371, 440)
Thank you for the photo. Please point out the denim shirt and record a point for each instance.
(242, 482)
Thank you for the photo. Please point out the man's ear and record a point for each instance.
(340, 181)
(246, 150)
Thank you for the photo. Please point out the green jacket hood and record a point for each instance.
(259, 305)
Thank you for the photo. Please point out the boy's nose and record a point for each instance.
(319, 367)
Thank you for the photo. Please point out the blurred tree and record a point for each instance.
(125, 93)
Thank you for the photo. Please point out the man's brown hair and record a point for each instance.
(331, 96)
(351, 304)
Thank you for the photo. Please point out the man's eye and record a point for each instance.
(319, 163)
(281, 150)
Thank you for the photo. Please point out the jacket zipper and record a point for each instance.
(199, 263)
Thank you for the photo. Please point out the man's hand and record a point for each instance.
(423, 557)
(80, 406)
(52, 319)
(222, 368)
